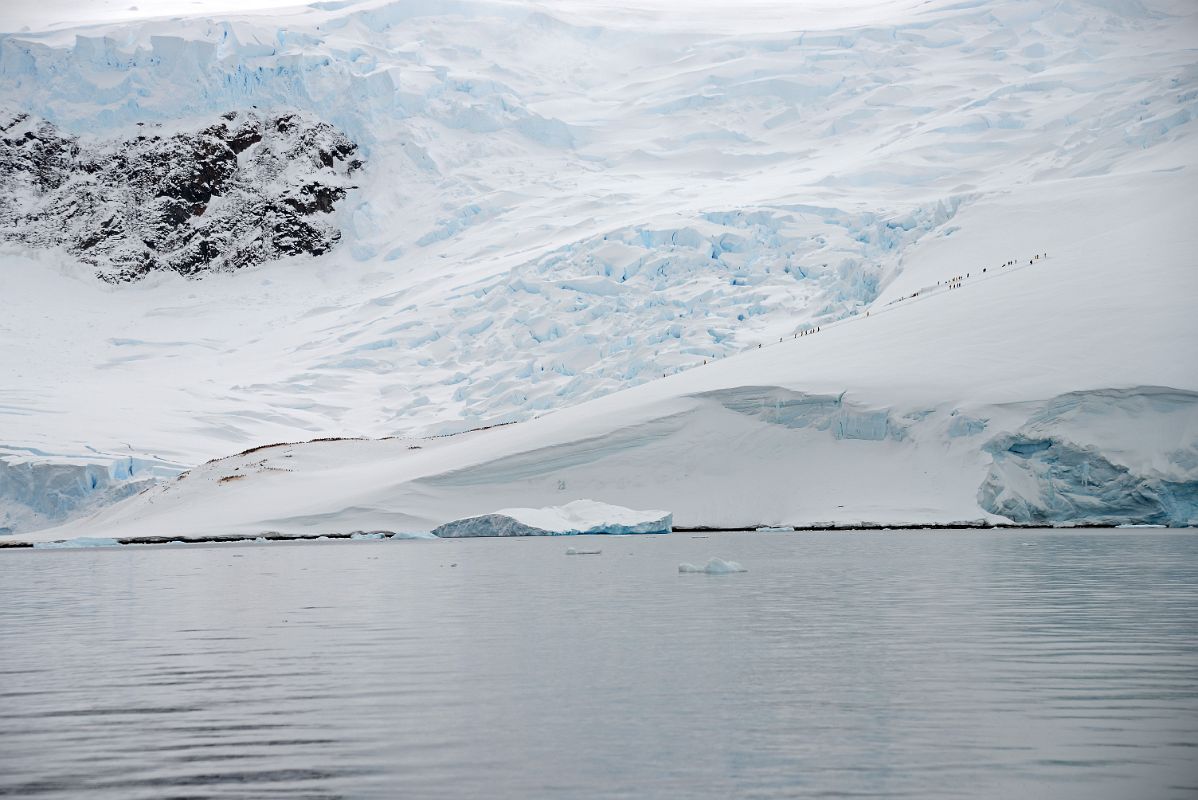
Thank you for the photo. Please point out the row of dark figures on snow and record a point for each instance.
(807, 332)
(797, 334)
(952, 283)
(955, 282)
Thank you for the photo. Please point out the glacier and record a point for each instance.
(582, 244)
(36, 493)
(1083, 457)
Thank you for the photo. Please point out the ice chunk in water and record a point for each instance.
(714, 566)
(578, 517)
(84, 541)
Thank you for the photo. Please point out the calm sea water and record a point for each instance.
(918, 664)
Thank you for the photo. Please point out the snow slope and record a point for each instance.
(563, 201)
(1055, 391)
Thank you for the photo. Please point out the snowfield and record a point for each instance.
(563, 204)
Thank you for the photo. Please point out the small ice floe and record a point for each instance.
(714, 566)
(372, 535)
(81, 542)
(412, 535)
(574, 551)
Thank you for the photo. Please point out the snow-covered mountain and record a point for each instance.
(561, 201)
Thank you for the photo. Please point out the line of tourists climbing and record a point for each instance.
(954, 282)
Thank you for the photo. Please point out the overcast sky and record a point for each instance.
(16, 15)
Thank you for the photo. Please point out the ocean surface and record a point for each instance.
(882, 664)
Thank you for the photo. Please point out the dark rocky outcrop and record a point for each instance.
(247, 189)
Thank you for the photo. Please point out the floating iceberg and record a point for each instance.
(574, 551)
(83, 541)
(576, 518)
(714, 566)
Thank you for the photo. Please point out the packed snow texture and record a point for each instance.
(562, 202)
(576, 518)
(714, 566)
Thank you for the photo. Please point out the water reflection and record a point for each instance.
(890, 664)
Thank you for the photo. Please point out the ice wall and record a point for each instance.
(203, 69)
(36, 494)
(1104, 457)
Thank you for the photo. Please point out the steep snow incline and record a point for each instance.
(1052, 392)
(560, 202)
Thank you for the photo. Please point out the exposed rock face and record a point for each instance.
(249, 188)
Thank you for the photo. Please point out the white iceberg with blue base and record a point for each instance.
(573, 519)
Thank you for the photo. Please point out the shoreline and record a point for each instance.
(826, 527)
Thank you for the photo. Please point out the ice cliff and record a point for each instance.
(36, 494)
(1110, 457)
